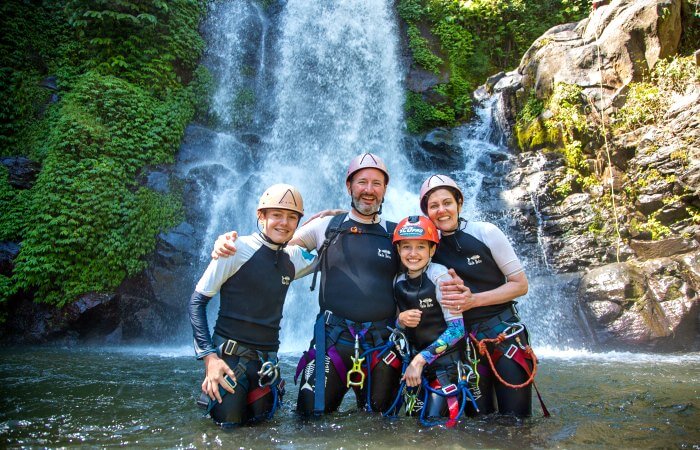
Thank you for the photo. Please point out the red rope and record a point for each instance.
(481, 345)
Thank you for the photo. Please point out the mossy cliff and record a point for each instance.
(618, 129)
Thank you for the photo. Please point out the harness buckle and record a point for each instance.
(399, 340)
(230, 347)
(389, 358)
(449, 389)
(511, 351)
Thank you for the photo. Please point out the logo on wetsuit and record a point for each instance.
(474, 260)
(384, 253)
(286, 280)
(426, 302)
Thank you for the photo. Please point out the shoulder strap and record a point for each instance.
(332, 232)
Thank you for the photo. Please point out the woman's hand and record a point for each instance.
(217, 369)
(224, 245)
(455, 295)
(410, 318)
(414, 371)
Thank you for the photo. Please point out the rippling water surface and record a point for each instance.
(99, 397)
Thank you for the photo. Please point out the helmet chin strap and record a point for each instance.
(280, 247)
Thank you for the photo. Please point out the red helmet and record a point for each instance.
(367, 161)
(415, 228)
(438, 181)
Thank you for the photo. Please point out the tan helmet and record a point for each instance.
(282, 196)
(367, 161)
(438, 181)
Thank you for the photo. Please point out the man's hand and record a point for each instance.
(410, 318)
(224, 245)
(217, 369)
(455, 295)
(324, 213)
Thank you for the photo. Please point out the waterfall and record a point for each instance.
(300, 91)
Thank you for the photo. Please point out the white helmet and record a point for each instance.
(435, 182)
(282, 196)
(367, 161)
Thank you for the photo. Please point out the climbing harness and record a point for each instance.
(269, 376)
(324, 345)
(519, 350)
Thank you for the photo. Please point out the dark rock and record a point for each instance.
(8, 253)
(159, 182)
(648, 203)
(509, 83)
(49, 82)
(22, 171)
(662, 248)
(421, 81)
(443, 149)
(492, 80)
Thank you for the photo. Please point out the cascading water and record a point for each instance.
(300, 90)
(336, 91)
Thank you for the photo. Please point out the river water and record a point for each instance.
(145, 397)
(301, 89)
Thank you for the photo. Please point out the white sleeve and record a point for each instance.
(304, 261)
(438, 273)
(313, 233)
(500, 247)
(220, 270)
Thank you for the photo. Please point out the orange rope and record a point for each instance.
(481, 345)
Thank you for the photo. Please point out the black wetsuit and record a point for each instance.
(482, 256)
(253, 284)
(357, 271)
(440, 345)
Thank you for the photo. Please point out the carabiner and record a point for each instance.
(519, 327)
(269, 371)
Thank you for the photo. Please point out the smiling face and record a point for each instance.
(367, 188)
(278, 224)
(415, 254)
(443, 210)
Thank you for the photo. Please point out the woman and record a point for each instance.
(482, 256)
(242, 377)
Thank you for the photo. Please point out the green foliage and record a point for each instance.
(476, 38)
(644, 104)
(148, 43)
(422, 115)
(122, 69)
(422, 54)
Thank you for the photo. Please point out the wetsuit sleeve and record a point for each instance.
(203, 344)
(500, 247)
(220, 270)
(449, 338)
(303, 260)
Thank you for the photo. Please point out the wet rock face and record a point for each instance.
(628, 36)
(647, 306)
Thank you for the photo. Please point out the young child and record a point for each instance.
(437, 341)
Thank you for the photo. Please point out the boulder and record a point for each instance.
(624, 39)
(645, 306)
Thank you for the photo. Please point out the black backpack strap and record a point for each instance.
(332, 232)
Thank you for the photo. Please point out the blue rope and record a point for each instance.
(368, 361)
